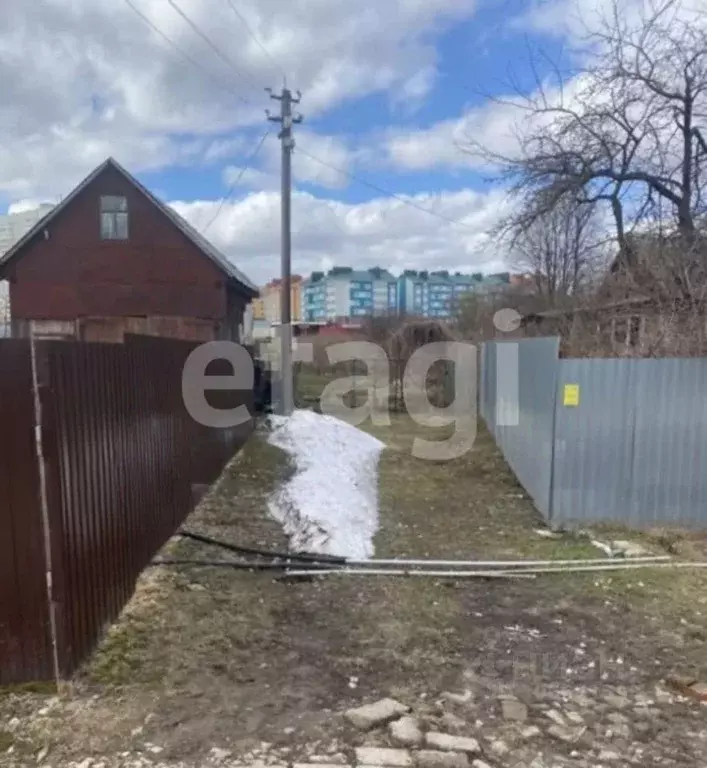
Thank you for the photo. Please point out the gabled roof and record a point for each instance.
(220, 260)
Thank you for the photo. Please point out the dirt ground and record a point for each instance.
(205, 658)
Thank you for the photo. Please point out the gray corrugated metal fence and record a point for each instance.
(630, 450)
(518, 406)
(633, 450)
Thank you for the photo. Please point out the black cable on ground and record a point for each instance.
(242, 566)
(292, 556)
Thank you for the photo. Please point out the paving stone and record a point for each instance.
(333, 759)
(374, 715)
(621, 731)
(406, 732)
(575, 718)
(568, 735)
(630, 548)
(538, 762)
(700, 690)
(679, 681)
(582, 701)
(616, 701)
(642, 700)
(399, 758)
(530, 732)
(448, 743)
(458, 698)
(431, 758)
(546, 533)
(556, 717)
(317, 765)
(515, 710)
(617, 718)
(499, 748)
(452, 723)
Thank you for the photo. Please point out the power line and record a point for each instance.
(212, 45)
(228, 194)
(382, 191)
(255, 38)
(181, 51)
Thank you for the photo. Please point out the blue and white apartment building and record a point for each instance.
(439, 294)
(345, 293)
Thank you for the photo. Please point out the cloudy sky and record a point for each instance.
(174, 90)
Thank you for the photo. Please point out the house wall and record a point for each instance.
(68, 272)
(230, 328)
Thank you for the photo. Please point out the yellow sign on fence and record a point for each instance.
(571, 395)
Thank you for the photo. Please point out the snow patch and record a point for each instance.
(330, 505)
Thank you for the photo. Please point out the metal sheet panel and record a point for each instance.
(124, 458)
(593, 441)
(519, 409)
(633, 450)
(669, 472)
(25, 647)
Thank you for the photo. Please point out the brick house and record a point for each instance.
(112, 259)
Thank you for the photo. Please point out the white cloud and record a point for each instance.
(382, 232)
(332, 151)
(100, 82)
(498, 126)
(22, 206)
(575, 19)
(443, 144)
(264, 172)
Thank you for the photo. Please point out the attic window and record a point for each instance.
(114, 218)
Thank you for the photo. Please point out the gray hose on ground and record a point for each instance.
(482, 574)
(403, 563)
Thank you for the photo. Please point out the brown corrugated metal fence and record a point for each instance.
(121, 455)
(25, 648)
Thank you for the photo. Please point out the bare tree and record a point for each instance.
(560, 249)
(624, 131)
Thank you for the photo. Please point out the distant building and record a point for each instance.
(271, 298)
(258, 308)
(439, 294)
(14, 226)
(344, 293)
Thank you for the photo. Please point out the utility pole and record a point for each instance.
(287, 120)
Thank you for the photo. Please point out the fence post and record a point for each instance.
(555, 405)
(482, 380)
(45, 436)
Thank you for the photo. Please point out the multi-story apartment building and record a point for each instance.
(439, 294)
(347, 294)
(14, 226)
(258, 306)
(267, 306)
